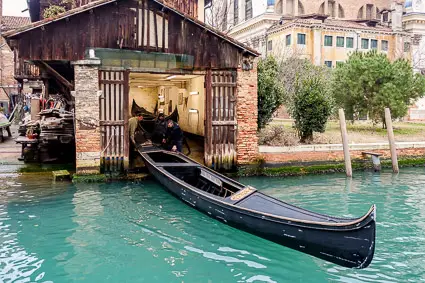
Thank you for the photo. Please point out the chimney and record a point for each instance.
(396, 16)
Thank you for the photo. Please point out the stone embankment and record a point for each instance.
(327, 158)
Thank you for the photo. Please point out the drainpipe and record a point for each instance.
(358, 40)
(266, 44)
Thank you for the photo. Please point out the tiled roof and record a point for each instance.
(331, 23)
(9, 22)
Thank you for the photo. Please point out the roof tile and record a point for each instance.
(9, 22)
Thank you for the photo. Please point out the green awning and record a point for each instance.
(130, 59)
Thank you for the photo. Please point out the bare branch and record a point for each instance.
(220, 14)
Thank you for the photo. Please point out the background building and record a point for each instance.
(8, 84)
(325, 32)
(330, 41)
(252, 21)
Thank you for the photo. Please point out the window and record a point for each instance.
(373, 44)
(385, 17)
(270, 2)
(339, 41)
(384, 45)
(301, 38)
(328, 40)
(255, 43)
(269, 45)
(328, 64)
(349, 42)
(207, 3)
(248, 9)
(365, 43)
(288, 40)
(369, 10)
(235, 12)
(406, 46)
(339, 63)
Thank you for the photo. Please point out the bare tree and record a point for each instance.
(220, 14)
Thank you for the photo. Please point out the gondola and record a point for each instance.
(149, 118)
(348, 242)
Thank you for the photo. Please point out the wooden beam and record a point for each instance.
(143, 23)
(112, 123)
(148, 22)
(224, 123)
(208, 125)
(126, 117)
(55, 74)
(156, 29)
(224, 84)
(163, 32)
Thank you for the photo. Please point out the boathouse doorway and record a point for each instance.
(170, 93)
(205, 103)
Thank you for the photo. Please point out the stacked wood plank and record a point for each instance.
(54, 135)
(56, 125)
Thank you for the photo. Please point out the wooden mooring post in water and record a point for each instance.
(393, 149)
(344, 136)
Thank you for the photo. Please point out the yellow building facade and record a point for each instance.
(330, 41)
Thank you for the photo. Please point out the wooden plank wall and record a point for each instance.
(114, 119)
(123, 25)
(220, 141)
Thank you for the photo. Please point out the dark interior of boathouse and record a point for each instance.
(149, 53)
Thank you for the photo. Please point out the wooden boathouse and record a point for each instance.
(106, 54)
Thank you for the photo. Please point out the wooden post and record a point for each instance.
(344, 136)
(391, 140)
(208, 119)
(126, 117)
(35, 108)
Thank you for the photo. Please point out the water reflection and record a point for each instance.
(135, 232)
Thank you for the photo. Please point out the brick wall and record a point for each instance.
(87, 135)
(7, 69)
(303, 156)
(246, 111)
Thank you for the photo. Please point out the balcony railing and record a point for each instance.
(26, 70)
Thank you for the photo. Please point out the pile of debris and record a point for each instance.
(27, 125)
(56, 126)
(49, 139)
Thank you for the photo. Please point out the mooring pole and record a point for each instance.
(391, 140)
(344, 136)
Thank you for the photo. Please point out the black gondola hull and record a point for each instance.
(350, 246)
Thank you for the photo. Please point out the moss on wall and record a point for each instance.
(99, 178)
(263, 169)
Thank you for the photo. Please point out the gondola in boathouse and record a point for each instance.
(108, 54)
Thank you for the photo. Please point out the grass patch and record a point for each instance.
(281, 133)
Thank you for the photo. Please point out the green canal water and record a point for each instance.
(137, 232)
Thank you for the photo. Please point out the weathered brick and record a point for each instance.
(246, 113)
(88, 138)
